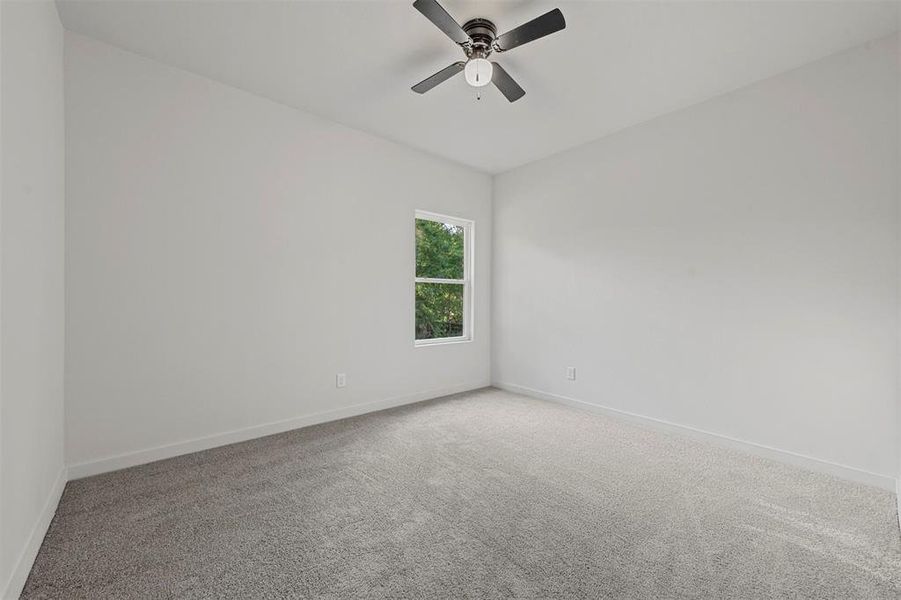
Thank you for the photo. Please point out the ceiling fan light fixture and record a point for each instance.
(478, 72)
(478, 40)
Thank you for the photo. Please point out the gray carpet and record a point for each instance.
(480, 495)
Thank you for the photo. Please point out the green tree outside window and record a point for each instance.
(440, 255)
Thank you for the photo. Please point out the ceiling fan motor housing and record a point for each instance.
(482, 32)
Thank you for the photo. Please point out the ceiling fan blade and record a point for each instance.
(508, 87)
(546, 24)
(435, 13)
(443, 75)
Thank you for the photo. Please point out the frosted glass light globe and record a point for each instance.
(478, 72)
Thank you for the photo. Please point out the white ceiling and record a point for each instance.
(616, 64)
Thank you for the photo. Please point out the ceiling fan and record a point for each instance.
(478, 38)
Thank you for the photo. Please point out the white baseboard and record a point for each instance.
(800, 460)
(140, 457)
(898, 499)
(13, 587)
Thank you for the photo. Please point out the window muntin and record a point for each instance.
(443, 291)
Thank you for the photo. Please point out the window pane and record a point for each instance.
(439, 250)
(439, 310)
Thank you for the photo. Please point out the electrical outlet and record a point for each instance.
(571, 373)
(340, 380)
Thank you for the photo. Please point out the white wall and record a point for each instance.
(31, 282)
(731, 267)
(898, 176)
(227, 256)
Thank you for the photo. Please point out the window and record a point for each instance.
(443, 285)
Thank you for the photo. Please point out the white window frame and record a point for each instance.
(467, 281)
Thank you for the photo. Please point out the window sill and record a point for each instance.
(440, 342)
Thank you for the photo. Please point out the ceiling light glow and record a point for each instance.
(478, 72)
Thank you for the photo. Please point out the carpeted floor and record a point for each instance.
(480, 495)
